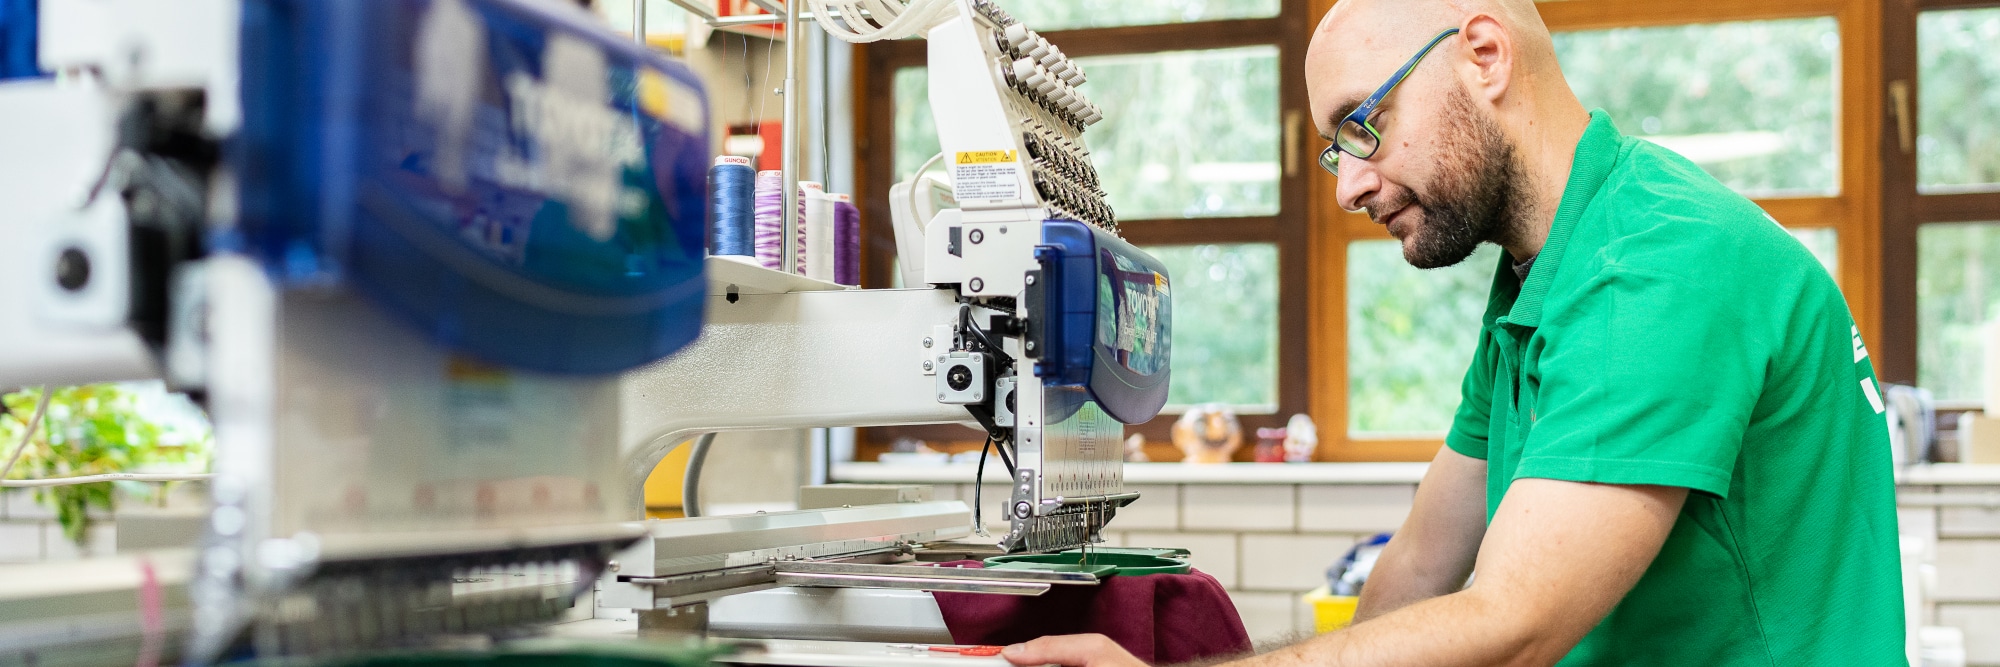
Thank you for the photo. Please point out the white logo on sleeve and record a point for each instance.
(1867, 383)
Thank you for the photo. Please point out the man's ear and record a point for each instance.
(1490, 52)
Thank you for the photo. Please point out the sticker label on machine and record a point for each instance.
(986, 175)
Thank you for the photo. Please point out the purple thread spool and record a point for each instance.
(769, 217)
(846, 242)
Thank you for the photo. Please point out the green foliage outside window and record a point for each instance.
(1410, 336)
(1186, 134)
(1958, 149)
(1225, 324)
(91, 430)
(1958, 100)
(1958, 295)
(1752, 102)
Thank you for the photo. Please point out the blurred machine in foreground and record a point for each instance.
(401, 251)
(436, 270)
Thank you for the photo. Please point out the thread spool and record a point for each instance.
(819, 235)
(770, 206)
(732, 207)
(770, 220)
(847, 241)
(806, 189)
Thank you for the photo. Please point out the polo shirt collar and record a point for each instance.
(1596, 152)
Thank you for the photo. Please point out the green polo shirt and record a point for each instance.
(1671, 333)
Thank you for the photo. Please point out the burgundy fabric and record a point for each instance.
(1161, 618)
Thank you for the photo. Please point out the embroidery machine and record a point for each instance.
(436, 271)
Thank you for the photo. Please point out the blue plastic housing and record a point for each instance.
(1108, 312)
(19, 29)
(506, 176)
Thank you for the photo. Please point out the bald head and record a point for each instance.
(1469, 141)
(1361, 42)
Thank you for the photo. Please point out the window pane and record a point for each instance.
(1824, 242)
(1958, 100)
(1186, 134)
(1752, 102)
(916, 133)
(1225, 324)
(1410, 336)
(1958, 295)
(1045, 15)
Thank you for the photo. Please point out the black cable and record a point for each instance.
(965, 323)
(1012, 471)
(979, 491)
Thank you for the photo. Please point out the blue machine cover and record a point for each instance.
(1109, 317)
(507, 176)
(19, 29)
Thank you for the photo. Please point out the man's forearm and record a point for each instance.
(1432, 554)
(1401, 579)
(1417, 634)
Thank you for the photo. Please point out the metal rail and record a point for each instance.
(932, 572)
(1024, 588)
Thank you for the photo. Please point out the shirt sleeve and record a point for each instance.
(1474, 420)
(1647, 378)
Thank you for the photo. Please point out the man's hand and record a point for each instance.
(1072, 651)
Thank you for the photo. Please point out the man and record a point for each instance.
(1670, 449)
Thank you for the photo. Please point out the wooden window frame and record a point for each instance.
(1852, 212)
(1312, 233)
(1903, 209)
(875, 69)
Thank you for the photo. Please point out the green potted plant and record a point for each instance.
(91, 430)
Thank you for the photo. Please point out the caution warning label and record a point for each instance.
(984, 157)
(986, 175)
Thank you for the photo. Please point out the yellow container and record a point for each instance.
(1331, 612)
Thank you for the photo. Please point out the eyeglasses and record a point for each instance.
(1356, 135)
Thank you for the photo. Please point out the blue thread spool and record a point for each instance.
(731, 206)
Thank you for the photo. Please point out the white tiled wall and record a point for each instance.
(1967, 560)
(1968, 571)
(1970, 521)
(1268, 507)
(1269, 616)
(1981, 623)
(29, 532)
(1355, 508)
(1290, 562)
(1158, 508)
(1214, 553)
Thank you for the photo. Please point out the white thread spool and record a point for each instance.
(819, 236)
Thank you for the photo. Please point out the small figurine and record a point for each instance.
(1301, 439)
(1270, 446)
(1208, 433)
(1135, 449)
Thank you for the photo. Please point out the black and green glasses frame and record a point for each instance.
(1356, 135)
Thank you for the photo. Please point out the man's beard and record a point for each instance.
(1472, 197)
